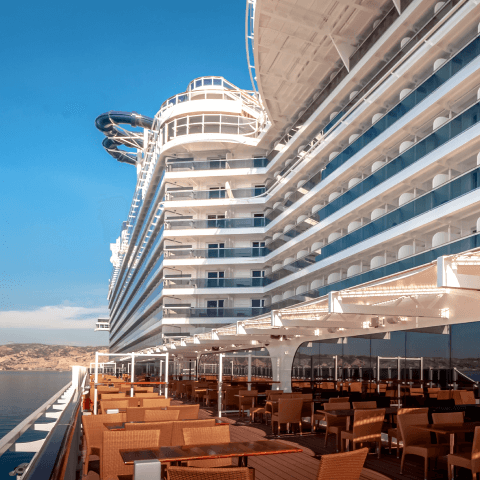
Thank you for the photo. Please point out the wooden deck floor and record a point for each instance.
(304, 466)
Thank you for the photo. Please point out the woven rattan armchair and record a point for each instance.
(112, 396)
(93, 428)
(113, 404)
(177, 432)
(452, 417)
(417, 442)
(342, 466)
(289, 411)
(335, 425)
(367, 428)
(187, 412)
(149, 395)
(247, 400)
(161, 415)
(469, 460)
(165, 428)
(395, 432)
(188, 473)
(205, 436)
(155, 402)
(111, 463)
(364, 405)
(229, 397)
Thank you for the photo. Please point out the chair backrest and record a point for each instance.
(476, 450)
(147, 426)
(448, 417)
(185, 473)
(444, 394)
(187, 412)
(416, 391)
(161, 415)
(113, 404)
(367, 424)
(339, 400)
(364, 405)
(347, 466)
(336, 421)
(111, 463)
(93, 427)
(356, 387)
(290, 410)
(468, 397)
(148, 395)
(337, 406)
(247, 397)
(230, 398)
(177, 433)
(112, 396)
(205, 436)
(410, 434)
(155, 402)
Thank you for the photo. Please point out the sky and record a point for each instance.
(63, 197)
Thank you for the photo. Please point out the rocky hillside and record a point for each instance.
(35, 356)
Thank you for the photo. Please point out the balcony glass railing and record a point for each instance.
(219, 223)
(454, 127)
(213, 312)
(217, 253)
(211, 123)
(438, 78)
(454, 189)
(214, 282)
(214, 194)
(217, 164)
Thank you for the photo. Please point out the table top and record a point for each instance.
(368, 474)
(449, 428)
(202, 452)
(121, 425)
(351, 412)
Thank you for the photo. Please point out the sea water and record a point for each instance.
(21, 393)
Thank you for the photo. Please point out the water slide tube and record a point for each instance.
(108, 123)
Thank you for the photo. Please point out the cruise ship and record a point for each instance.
(262, 218)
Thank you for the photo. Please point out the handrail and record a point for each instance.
(11, 437)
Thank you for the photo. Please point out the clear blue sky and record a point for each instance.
(63, 197)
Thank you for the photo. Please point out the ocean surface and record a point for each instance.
(21, 393)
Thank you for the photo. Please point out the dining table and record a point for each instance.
(350, 413)
(450, 429)
(241, 450)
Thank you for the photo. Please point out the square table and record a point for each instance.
(242, 450)
(449, 429)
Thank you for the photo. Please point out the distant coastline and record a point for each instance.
(17, 357)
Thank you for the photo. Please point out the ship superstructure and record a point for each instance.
(354, 157)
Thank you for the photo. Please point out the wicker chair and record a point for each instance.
(112, 396)
(452, 417)
(247, 400)
(335, 425)
(229, 398)
(187, 412)
(177, 432)
(367, 427)
(161, 415)
(149, 395)
(356, 387)
(395, 432)
(468, 397)
(469, 460)
(93, 428)
(269, 408)
(289, 411)
(339, 400)
(111, 463)
(364, 405)
(417, 442)
(205, 436)
(188, 473)
(344, 466)
(155, 402)
(113, 404)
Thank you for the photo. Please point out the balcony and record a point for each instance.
(218, 223)
(102, 325)
(188, 312)
(213, 194)
(215, 282)
(217, 253)
(220, 164)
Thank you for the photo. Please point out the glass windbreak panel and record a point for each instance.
(357, 362)
(182, 121)
(212, 118)
(229, 119)
(433, 347)
(230, 129)
(211, 128)
(465, 362)
(388, 350)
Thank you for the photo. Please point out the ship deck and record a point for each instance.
(304, 466)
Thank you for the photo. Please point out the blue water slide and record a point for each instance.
(108, 123)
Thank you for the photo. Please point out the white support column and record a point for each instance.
(160, 373)
(95, 401)
(378, 375)
(249, 372)
(220, 380)
(399, 377)
(421, 369)
(282, 354)
(132, 376)
(335, 372)
(166, 374)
